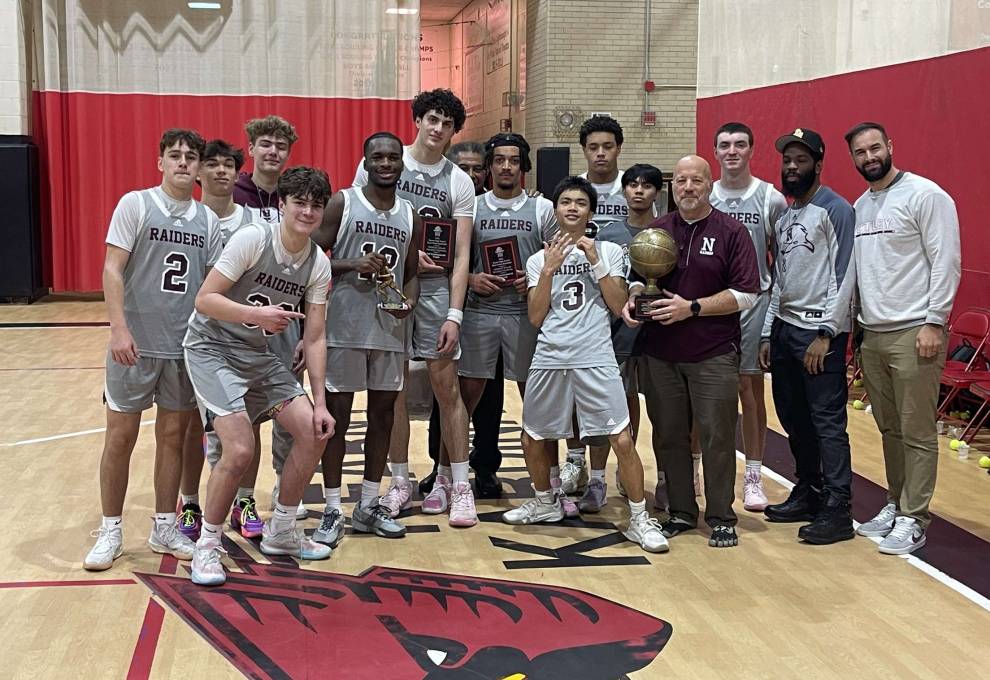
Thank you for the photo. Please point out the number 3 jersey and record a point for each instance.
(264, 274)
(353, 318)
(171, 244)
(576, 332)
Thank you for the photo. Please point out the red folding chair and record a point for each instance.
(972, 328)
(980, 391)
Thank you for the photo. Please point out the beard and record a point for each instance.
(876, 173)
(800, 186)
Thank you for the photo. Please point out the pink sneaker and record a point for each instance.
(462, 512)
(438, 500)
(570, 507)
(398, 497)
(754, 499)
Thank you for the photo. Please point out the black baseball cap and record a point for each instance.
(808, 138)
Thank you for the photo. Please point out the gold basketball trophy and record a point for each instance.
(653, 255)
(390, 296)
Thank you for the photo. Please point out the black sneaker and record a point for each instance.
(487, 485)
(801, 506)
(426, 484)
(832, 524)
(723, 536)
(674, 526)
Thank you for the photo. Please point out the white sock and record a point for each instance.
(753, 465)
(191, 498)
(283, 519)
(576, 455)
(546, 497)
(696, 461)
(444, 471)
(598, 474)
(210, 534)
(112, 522)
(636, 508)
(245, 492)
(369, 492)
(164, 518)
(332, 497)
(400, 470)
(459, 472)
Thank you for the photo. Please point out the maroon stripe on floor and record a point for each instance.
(54, 584)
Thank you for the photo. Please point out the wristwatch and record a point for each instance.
(695, 308)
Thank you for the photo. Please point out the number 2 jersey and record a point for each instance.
(264, 274)
(171, 244)
(353, 319)
(576, 332)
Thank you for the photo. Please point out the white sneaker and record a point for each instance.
(533, 512)
(882, 524)
(207, 569)
(292, 542)
(398, 497)
(166, 539)
(302, 512)
(906, 537)
(645, 530)
(573, 476)
(109, 546)
(754, 499)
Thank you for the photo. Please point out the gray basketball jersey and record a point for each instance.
(267, 282)
(230, 224)
(490, 223)
(576, 331)
(165, 270)
(758, 210)
(611, 206)
(353, 317)
(621, 233)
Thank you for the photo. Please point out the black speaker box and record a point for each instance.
(553, 163)
(20, 230)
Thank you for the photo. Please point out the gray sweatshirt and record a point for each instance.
(814, 276)
(907, 255)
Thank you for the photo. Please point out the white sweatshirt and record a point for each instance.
(906, 254)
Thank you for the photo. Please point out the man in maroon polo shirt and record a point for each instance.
(691, 351)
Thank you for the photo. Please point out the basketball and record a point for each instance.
(653, 253)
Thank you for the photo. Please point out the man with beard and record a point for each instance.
(907, 260)
(691, 354)
(757, 205)
(804, 341)
(372, 234)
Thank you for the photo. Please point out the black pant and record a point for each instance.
(812, 408)
(487, 419)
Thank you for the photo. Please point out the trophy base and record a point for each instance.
(393, 306)
(643, 308)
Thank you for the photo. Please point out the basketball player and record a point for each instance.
(160, 245)
(372, 234)
(270, 141)
(437, 188)
(757, 205)
(495, 320)
(217, 173)
(263, 274)
(573, 284)
(640, 185)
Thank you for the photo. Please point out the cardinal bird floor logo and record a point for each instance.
(280, 621)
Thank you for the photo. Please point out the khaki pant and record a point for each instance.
(903, 389)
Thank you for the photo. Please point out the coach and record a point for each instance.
(691, 351)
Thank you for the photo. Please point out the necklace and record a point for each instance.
(268, 213)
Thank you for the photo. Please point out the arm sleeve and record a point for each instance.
(533, 266)
(318, 288)
(360, 175)
(125, 221)
(939, 224)
(774, 307)
(242, 252)
(744, 275)
(214, 239)
(463, 194)
(840, 231)
(744, 301)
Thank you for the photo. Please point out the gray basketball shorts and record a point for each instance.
(553, 395)
(132, 389)
(483, 336)
(355, 370)
(751, 327)
(429, 315)
(229, 382)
